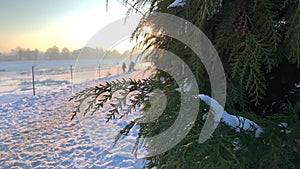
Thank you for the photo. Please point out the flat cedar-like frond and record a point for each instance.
(293, 33)
(249, 36)
(93, 99)
(258, 42)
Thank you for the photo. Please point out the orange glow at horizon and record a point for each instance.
(72, 30)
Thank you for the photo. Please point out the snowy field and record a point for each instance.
(17, 75)
(37, 131)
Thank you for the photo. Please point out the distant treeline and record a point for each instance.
(54, 53)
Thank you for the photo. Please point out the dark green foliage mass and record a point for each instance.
(258, 42)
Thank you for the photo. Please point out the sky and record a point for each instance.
(41, 24)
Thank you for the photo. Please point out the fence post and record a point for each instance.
(99, 71)
(118, 69)
(71, 74)
(33, 84)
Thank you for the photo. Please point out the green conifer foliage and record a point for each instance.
(258, 42)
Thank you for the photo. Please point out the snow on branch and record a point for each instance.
(177, 3)
(237, 122)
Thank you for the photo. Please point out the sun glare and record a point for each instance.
(147, 29)
(72, 30)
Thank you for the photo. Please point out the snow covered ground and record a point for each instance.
(17, 75)
(37, 131)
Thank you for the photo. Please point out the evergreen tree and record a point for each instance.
(258, 42)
